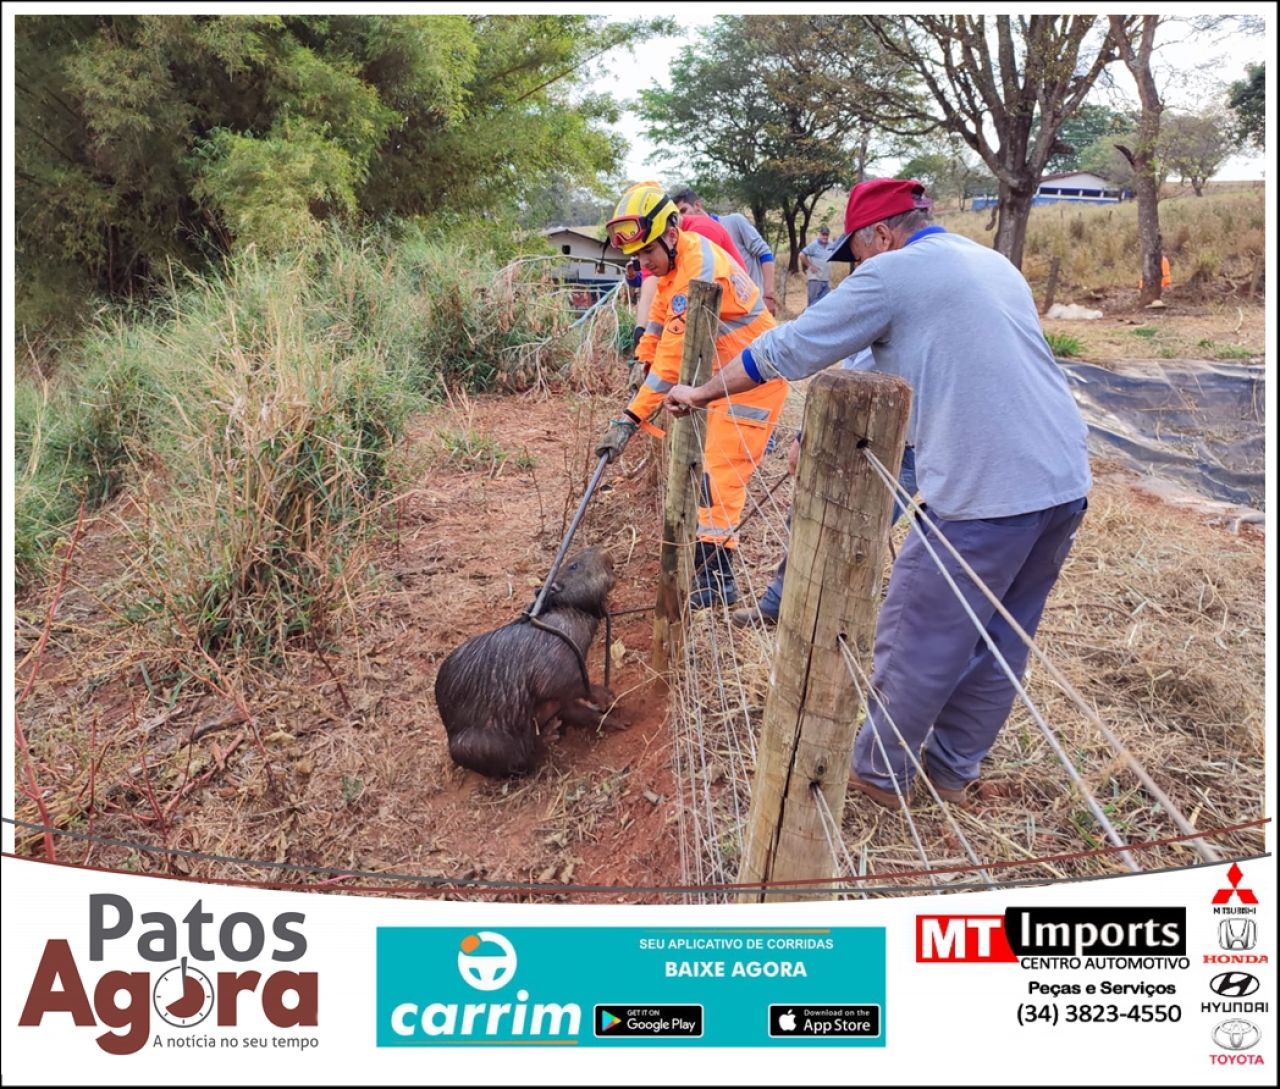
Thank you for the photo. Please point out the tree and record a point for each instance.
(146, 140)
(1193, 146)
(1004, 85)
(946, 167)
(1134, 37)
(1105, 159)
(760, 108)
(565, 203)
(1081, 129)
(1248, 98)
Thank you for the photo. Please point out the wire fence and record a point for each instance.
(718, 698)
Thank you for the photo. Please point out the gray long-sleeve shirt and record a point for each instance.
(751, 244)
(996, 429)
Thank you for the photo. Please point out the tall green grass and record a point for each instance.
(264, 408)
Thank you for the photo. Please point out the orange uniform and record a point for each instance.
(738, 427)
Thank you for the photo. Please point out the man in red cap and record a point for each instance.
(1001, 465)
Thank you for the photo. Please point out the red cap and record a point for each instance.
(875, 199)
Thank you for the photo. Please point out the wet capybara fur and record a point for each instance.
(500, 690)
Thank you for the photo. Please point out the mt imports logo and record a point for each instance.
(486, 962)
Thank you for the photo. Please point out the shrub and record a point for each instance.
(268, 402)
(1064, 345)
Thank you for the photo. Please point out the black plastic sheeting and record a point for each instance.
(1198, 424)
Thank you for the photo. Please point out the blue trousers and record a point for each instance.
(931, 668)
(771, 601)
(817, 289)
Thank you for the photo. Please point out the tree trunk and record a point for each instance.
(1149, 242)
(1135, 41)
(789, 215)
(806, 212)
(1011, 227)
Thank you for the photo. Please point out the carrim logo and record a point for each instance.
(481, 1022)
(484, 971)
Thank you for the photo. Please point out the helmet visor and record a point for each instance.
(627, 230)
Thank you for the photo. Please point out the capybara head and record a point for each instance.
(583, 582)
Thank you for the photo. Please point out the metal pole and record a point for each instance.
(573, 527)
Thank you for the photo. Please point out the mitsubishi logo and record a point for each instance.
(1223, 896)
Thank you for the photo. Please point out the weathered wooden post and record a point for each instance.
(1051, 290)
(839, 532)
(684, 468)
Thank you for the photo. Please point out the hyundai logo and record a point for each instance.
(1236, 1034)
(1234, 984)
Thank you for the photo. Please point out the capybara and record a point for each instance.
(499, 690)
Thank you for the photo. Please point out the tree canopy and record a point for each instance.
(1004, 84)
(143, 140)
(761, 108)
(1248, 98)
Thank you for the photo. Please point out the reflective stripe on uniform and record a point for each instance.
(655, 383)
(748, 412)
(708, 270)
(654, 327)
(706, 530)
(729, 325)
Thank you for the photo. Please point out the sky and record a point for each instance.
(1202, 67)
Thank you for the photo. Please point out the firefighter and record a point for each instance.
(646, 224)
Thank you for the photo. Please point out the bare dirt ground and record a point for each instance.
(341, 761)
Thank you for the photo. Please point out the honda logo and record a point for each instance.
(1234, 984)
(1237, 933)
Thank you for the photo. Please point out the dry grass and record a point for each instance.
(1157, 621)
(1215, 246)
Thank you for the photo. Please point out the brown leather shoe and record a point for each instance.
(750, 617)
(886, 798)
(953, 795)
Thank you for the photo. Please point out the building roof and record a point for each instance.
(589, 234)
(1102, 182)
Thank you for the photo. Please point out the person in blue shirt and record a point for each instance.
(813, 259)
(755, 251)
(1001, 462)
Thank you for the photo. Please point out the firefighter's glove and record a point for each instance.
(620, 430)
(637, 335)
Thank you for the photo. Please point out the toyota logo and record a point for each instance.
(1236, 1034)
(1234, 984)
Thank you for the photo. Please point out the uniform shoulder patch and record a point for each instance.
(679, 304)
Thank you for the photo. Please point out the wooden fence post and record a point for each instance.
(1051, 290)
(839, 534)
(684, 469)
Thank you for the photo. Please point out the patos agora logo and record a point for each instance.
(140, 962)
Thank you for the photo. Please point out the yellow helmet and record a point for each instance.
(642, 215)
